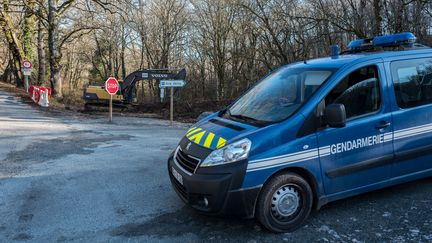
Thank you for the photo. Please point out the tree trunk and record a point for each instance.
(54, 53)
(378, 17)
(203, 78)
(29, 29)
(142, 52)
(6, 77)
(142, 92)
(220, 75)
(122, 54)
(13, 42)
(56, 77)
(41, 54)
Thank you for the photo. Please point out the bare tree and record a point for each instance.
(15, 45)
(215, 21)
(225, 45)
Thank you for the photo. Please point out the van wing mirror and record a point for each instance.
(335, 115)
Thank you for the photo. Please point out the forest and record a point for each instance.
(225, 45)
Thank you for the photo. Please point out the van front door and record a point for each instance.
(361, 153)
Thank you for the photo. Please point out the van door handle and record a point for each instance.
(382, 125)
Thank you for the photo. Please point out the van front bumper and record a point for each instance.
(215, 190)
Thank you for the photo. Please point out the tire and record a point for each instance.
(285, 203)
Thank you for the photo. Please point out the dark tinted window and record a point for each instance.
(412, 81)
(359, 92)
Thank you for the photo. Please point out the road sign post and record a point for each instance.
(112, 87)
(171, 84)
(110, 109)
(26, 69)
(162, 94)
(171, 105)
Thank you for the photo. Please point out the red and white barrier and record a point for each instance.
(40, 95)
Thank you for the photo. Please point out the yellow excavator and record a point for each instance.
(97, 95)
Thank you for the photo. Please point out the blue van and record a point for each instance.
(313, 132)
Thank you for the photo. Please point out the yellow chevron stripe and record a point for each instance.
(196, 138)
(209, 140)
(193, 131)
(221, 142)
(190, 129)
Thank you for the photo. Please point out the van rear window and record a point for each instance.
(412, 81)
(405, 74)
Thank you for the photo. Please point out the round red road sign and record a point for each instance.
(111, 85)
(26, 64)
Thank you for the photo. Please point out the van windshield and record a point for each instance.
(277, 96)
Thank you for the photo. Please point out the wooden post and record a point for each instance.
(171, 105)
(110, 108)
(26, 83)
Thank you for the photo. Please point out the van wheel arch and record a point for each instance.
(305, 174)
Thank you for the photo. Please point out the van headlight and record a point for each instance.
(228, 154)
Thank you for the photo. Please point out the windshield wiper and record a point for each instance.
(224, 111)
(247, 119)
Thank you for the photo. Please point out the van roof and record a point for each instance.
(340, 60)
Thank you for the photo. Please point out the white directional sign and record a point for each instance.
(172, 83)
(26, 71)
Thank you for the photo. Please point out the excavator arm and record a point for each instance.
(128, 85)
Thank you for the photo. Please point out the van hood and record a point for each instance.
(215, 132)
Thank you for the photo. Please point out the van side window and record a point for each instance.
(359, 92)
(412, 80)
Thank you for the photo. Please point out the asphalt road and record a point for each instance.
(70, 178)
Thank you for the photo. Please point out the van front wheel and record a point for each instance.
(285, 202)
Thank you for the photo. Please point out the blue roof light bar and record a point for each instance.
(405, 38)
(400, 39)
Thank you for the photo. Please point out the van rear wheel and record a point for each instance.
(285, 203)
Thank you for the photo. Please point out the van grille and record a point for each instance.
(180, 188)
(188, 163)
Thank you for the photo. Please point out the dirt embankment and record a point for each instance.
(13, 89)
(55, 105)
(183, 111)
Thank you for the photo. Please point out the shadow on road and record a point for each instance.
(386, 214)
